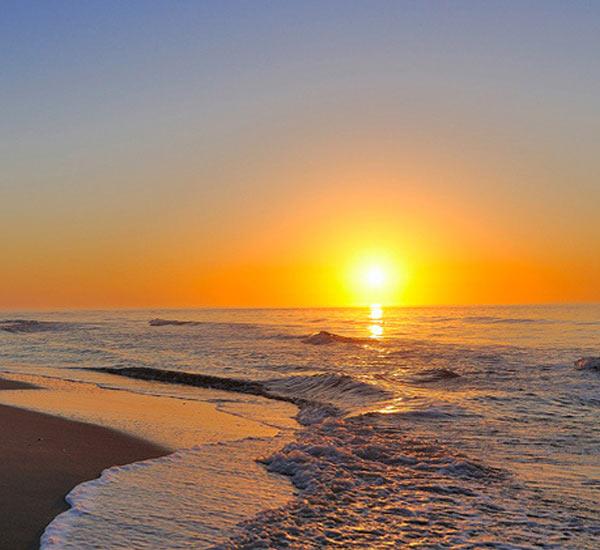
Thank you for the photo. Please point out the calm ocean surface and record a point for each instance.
(431, 427)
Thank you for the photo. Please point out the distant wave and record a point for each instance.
(207, 324)
(588, 363)
(436, 319)
(320, 338)
(318, 396)
(502, 320)
(324, 337)
(158, 322)
(177, 323)
(28, 325)
(170, 322)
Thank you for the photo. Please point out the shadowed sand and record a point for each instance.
(43, 457)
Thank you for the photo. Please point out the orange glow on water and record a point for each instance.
(376, 331)
(376, 311)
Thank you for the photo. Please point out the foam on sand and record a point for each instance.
(211, 489)
(214, 481)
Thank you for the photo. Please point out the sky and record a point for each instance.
(274, 154)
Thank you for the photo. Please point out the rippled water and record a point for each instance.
(447, 427)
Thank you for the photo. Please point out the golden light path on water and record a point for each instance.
(376, 315)
(376, 331)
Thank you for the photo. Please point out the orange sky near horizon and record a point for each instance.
(303, 245)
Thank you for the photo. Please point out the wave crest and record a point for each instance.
(318, 396)
(169, 322)
(325, 337)
(340, 389)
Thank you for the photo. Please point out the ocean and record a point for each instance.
(453, 427)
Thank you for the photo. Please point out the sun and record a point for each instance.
(375, 276)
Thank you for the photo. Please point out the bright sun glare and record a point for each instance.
(375, 276)
(377, 279)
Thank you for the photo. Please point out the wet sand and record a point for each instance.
(57, 434)
(43, 457)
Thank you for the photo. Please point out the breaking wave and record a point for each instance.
(318, 396)
(368, 483)
(28, 325)
(377, 480)
(339, 389)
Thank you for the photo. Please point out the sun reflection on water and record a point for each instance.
(376, 315)
(392, 407)
(376, 331)
(376, 311)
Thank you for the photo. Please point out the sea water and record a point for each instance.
(432, 427)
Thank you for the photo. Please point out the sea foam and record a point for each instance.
(193, 498)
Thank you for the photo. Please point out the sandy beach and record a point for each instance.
(58, 434)
(43, 457)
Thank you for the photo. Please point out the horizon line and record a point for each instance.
(283, 308)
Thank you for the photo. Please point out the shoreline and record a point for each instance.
(59, 434)
(43, 458)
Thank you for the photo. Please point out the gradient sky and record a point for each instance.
(255, 153)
